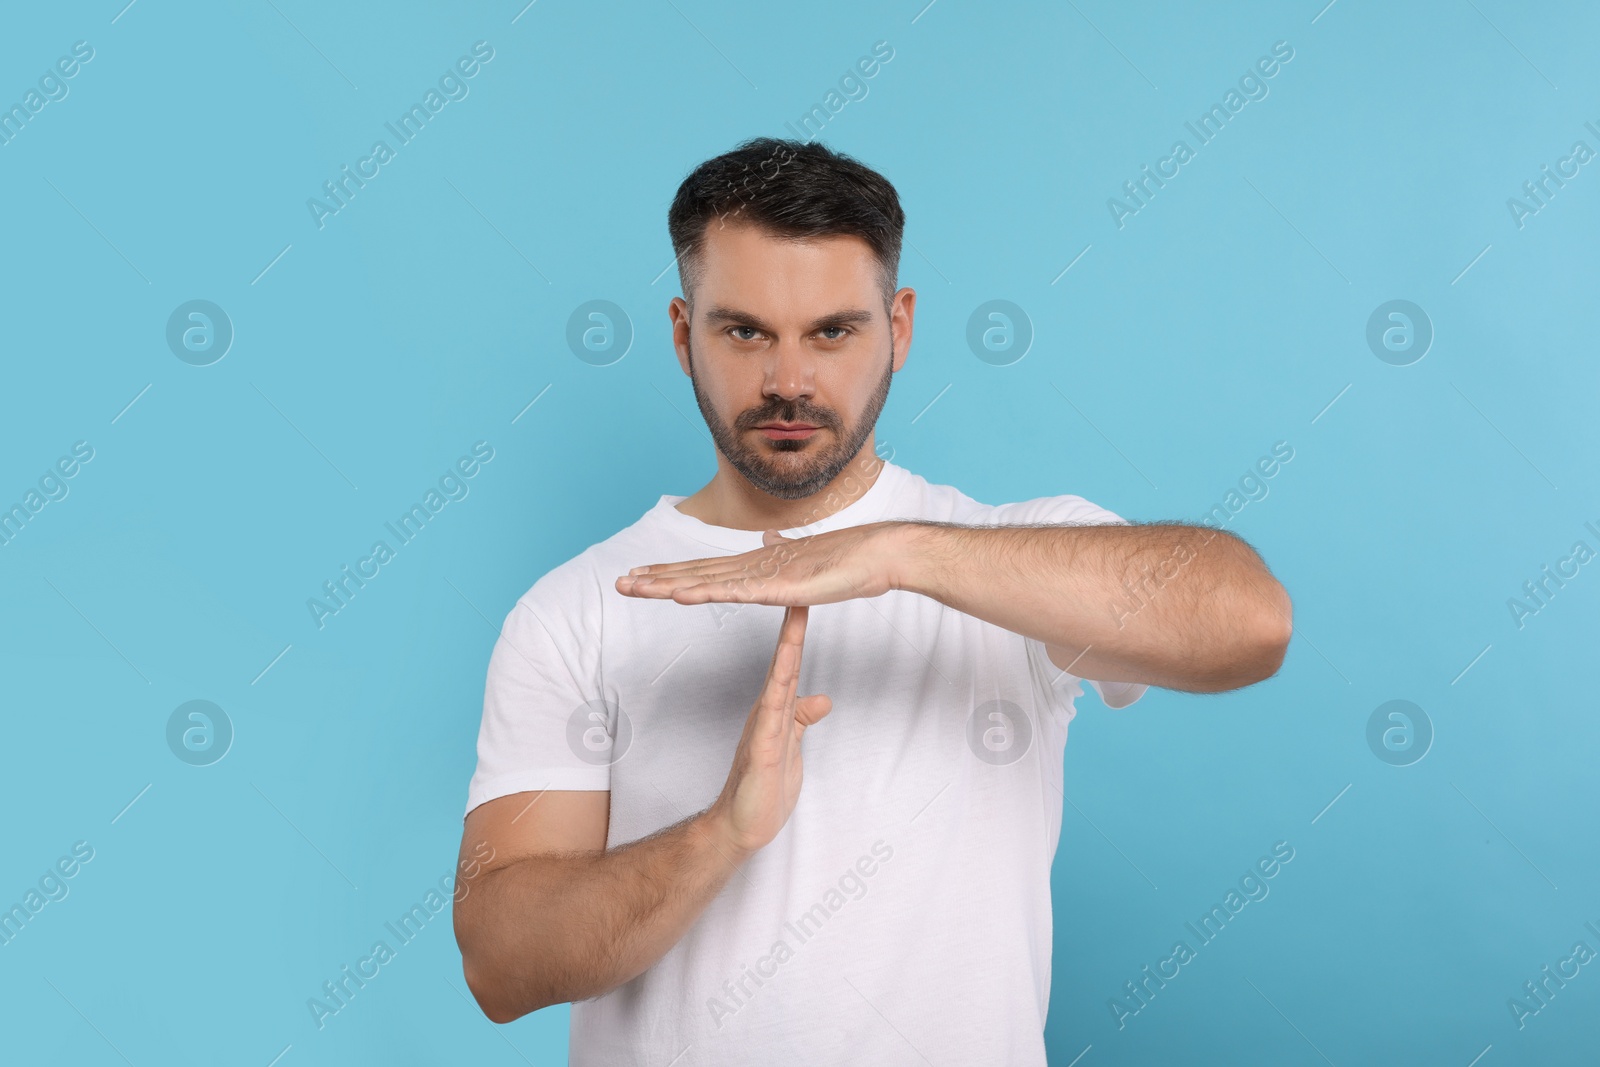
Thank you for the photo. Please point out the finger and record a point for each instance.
(773, 712)
(688, 565)
(710, 576)
(810, 710)
(736, 590)
(785, 667)
(676, 563)
(784, 672)
(675, 570)
(791, 641)
(793, 634)
(663, 588)
(793, 631)
(698, 591)
(755, 559)
(761, 561)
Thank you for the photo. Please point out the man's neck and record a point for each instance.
(730, 500)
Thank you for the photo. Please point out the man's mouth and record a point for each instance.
(783, 431)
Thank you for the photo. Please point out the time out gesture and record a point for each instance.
(1219, 622)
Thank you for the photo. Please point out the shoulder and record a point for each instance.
(1065, 508)
(916, 497)
(580, 584)
(945, 503)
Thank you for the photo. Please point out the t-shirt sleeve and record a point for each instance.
(1074, 511)
(546, 723)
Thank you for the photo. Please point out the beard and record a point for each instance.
(793, 469)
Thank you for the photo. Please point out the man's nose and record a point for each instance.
(790, 371)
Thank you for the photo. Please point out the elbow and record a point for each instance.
(1258, 650)
(1274, 627)
(1250, 647)
(486, 992)
(490, 996)
(499, 993)
(1262, 638)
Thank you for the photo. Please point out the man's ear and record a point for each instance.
(678, 314)
(902, 316)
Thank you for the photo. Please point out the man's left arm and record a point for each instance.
(1182, 607)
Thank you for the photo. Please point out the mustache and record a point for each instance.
(788, 411)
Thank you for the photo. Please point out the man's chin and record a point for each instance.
(787, 481)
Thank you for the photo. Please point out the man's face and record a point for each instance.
(790, 352)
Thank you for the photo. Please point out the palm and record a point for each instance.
(764, 782)
(824, 568)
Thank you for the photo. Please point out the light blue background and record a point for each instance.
(1222, 318)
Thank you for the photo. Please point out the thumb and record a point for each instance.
(772, 537)
(808, 711)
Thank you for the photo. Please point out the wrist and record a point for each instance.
(908, 557)
(717, 828)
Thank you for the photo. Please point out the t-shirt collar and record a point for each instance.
(868, 507)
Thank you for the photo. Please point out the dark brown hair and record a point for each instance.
(791, 189)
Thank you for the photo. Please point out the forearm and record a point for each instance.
(1183, 607)
(550, 929)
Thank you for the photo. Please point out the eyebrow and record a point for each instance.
(848, 317)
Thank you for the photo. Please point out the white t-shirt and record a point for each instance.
(903, 911)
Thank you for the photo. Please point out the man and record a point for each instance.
(654, 857)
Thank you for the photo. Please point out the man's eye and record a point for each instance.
(842, 331)
(739, 331)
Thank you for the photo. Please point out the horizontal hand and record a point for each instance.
(822, 569)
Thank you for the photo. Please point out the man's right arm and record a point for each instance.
(553, 916)
(550, 915)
